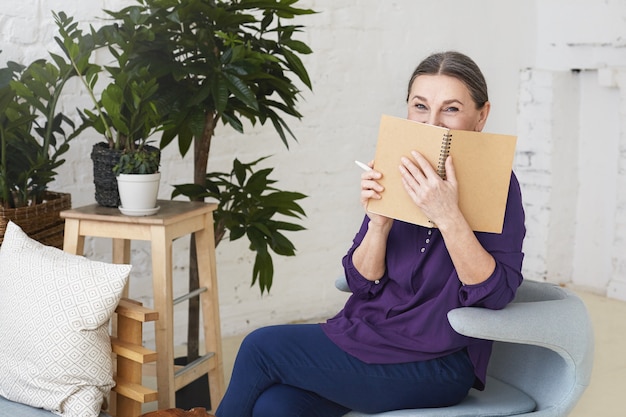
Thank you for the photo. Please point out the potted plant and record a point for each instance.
(33, 138)
(138, 180)
(223, 62)
(127, 113)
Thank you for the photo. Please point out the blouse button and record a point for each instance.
(377, 282)
(427, 240)
(422, 250)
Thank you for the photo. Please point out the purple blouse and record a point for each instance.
(403, 316)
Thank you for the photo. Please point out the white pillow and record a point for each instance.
(55, 350)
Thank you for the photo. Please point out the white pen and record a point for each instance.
(363, 166)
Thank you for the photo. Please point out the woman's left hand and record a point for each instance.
(438, 198)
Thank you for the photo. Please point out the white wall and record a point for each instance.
(363, 54)
(571, 125)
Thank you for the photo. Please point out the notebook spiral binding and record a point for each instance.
(446, 142)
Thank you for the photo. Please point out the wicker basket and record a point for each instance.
(41, 222)
(104, 159)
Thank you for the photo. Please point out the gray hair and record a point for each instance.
(457, 65)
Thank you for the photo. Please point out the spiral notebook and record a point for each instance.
(483, 163)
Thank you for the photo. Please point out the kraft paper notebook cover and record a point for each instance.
(483, 163)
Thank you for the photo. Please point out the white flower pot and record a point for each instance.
(138, 193)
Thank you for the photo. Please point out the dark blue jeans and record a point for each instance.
(296, 371)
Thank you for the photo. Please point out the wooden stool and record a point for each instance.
(174, 219)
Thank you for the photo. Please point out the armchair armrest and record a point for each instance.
(341, 284)
(539, 323)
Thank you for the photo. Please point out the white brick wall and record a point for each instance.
(617, 284)
(544, 164)
(363, 53)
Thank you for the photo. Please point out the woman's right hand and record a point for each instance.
(371, 189)
(369, 256)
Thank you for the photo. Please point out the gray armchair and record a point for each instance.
(541, 361)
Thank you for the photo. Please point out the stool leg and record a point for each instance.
(121, 255)
(164, 326)
(73, 242)
(209, 304)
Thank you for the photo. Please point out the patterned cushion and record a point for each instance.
(55, 308)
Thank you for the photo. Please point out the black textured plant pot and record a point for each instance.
(104, 159)
(196, 394)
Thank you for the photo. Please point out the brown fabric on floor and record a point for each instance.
(177, 412)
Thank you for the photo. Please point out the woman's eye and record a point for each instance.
(451, 109)
(420, 106)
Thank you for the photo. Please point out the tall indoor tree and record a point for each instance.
(227, 61)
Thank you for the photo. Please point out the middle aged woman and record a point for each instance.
(391, 346)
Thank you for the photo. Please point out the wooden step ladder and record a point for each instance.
(131, 355)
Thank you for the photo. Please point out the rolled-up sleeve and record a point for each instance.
(358, 284)
(506, 248)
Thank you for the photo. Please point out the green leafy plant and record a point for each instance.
(222, 60)
(144, 160)
(215, 61)
(33, 134)
(248, 205)
(127, 113)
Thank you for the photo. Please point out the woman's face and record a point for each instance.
(442, 100)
